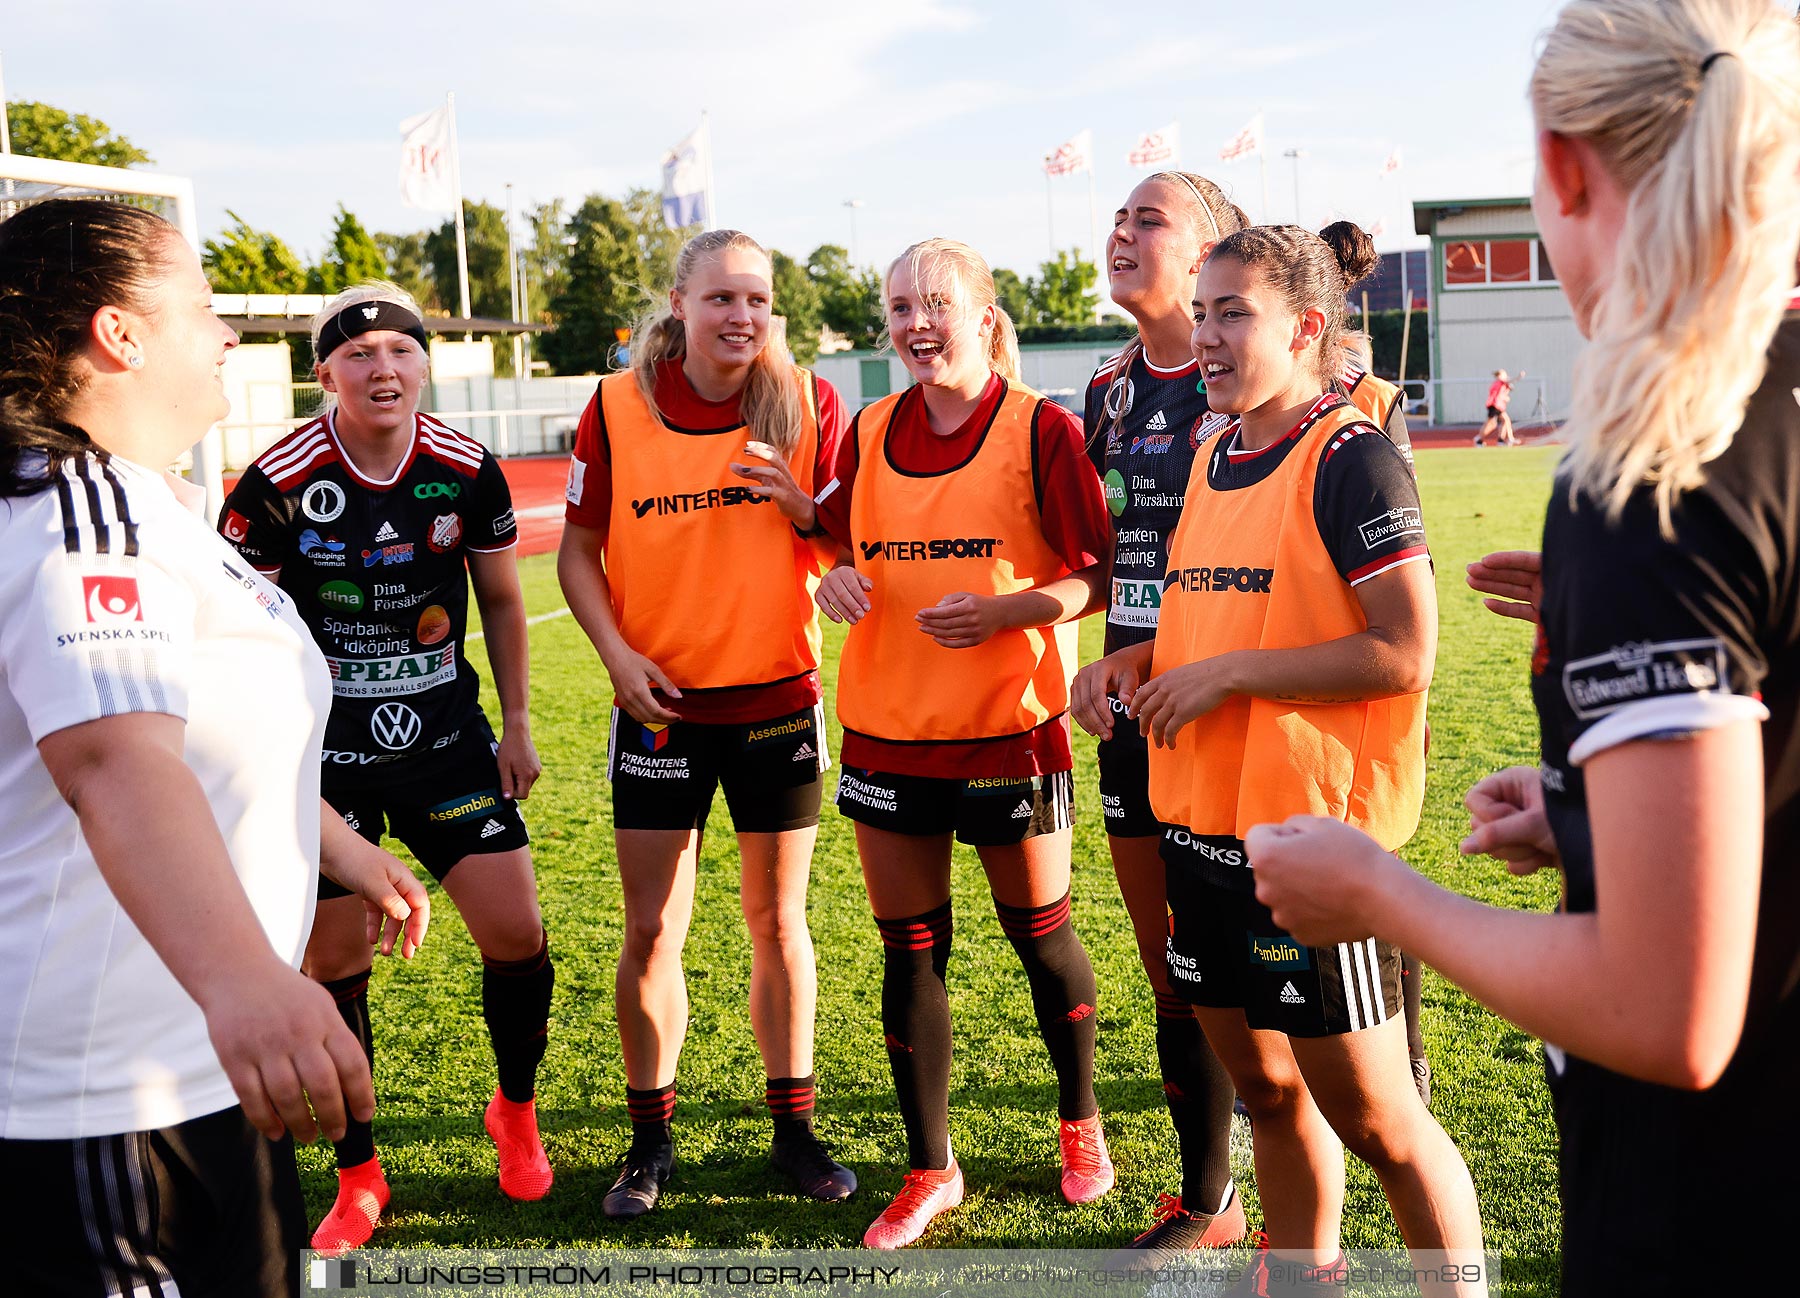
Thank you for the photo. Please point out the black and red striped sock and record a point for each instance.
(1062, 993)
(515, 1000)
(1199, 1092)
(915, 1018)
(651, 1112)
(352, 997)
(790, 1101)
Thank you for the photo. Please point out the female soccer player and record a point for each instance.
(1289, 672)
(974, 534)
(694, 473)
(160, 723)
(1668, 194)
(1499, 396)
(376, 518)
(1146, 419)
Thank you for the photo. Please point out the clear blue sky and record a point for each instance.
(935, 113)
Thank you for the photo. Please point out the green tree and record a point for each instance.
(1015, 297)
(484, 228)
(544, 257)
(657, 245)
(409, 267)
(1063, 294)
(352, 257)
(600, 291)
(798, 299)
(47, 132)
(244, 259)
(849, 299)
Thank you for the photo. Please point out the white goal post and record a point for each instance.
(25, 180)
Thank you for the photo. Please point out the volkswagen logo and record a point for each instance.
(322, 502)
(395, 725)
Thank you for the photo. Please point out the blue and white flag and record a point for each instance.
(684, 171)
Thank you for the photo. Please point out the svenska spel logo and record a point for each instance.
(332, 1273)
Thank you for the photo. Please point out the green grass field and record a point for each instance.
(434, 1072)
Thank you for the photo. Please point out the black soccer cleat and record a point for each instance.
(641, 1177)
(812, 1169)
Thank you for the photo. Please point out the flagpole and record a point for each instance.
(462, 238)
(712, 212)
(1050, 211)
(1094, 229)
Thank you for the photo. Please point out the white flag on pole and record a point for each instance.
(1157, 149)
(1392, 164)
(684, 170)
(1072, 155)
(426, 178)
(1245, 142)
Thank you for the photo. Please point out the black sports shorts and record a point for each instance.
(1226, 952)
(210, 1208)
(772, 771)
(995, 811)
(454, 812)
(1125, 779)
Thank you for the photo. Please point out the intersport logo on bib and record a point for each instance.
(941, 547)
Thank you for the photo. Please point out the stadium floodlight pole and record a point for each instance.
(1050, 212)
(853, 204)
(462, 238)
(1296, 155)
(512, 283)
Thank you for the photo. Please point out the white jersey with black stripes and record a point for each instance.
(117, 597)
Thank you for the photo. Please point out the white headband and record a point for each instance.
(1194, 190)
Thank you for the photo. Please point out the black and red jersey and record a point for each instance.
(377, 569)
(1144, 426)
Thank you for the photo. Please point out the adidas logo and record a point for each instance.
(494, 827)
(805, 753)
(1291, 997)
(1157, 423)
(387, 533)
(1022, 811)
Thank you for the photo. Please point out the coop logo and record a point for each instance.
(688, 502)
(940, 547)
(1402, 520)
(1644, 670)
(1248, 581)
(374, 678)
(1134, 603)
(111, 599)
(322, 502)
(435, 490)
(1278, 953)
(395, 726)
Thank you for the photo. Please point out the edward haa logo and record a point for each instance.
(941, 547)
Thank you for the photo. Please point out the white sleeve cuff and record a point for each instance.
(1684, 713)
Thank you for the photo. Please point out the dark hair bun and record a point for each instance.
(1354, 250)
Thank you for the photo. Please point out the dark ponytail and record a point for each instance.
(61, 261)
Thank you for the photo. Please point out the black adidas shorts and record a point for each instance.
(1125, 779)
(664, 777)
(1226, 952)
(209, 1208)
(454, 812)
(989, 812)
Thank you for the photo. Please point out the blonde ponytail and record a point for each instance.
(770, 399)
(1003, 347)
(1694, 107)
